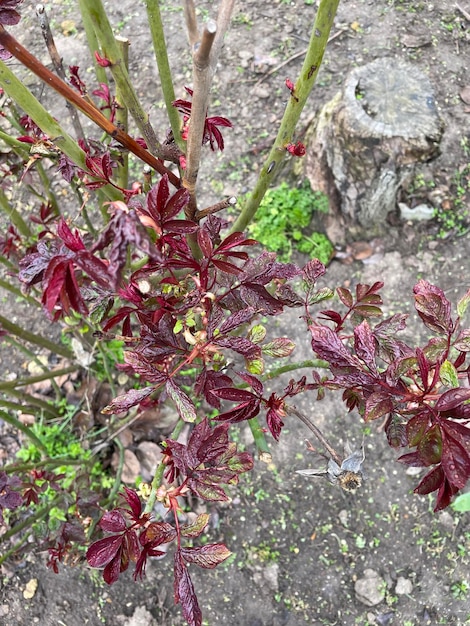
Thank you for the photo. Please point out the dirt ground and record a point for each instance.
(304, 552)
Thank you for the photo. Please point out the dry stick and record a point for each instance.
(316, 431)
(224, 16)
(202, 76)
(191, 23)
(32, 63)
(58, 65)
(121, 118)
(232, 201)
(293, 57)
(465, 13)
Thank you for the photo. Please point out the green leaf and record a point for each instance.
(255, 366)
(184, 405)
(448, 375)
(280, 347)
(257, 333)
(462, 503)
(463, 303)
(196, 528)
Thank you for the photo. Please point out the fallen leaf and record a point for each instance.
(465, 94)
(30, 589)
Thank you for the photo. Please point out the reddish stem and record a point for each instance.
(33, 64)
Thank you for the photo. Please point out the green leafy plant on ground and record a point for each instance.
(283, 217)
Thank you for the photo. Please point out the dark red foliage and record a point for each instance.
(9, 16)
(9, 496)
(383, 377)
(212, 134)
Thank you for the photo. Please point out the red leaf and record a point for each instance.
(113, 522)
(395, 430)
(275, 423)
(241, 412)
(365, 346)
(345, 296)
(205, 243)
(233, 394)
(243, 346)
(101, 552)
(433, 307)
(175, 205)
(328, 346)
(431, 481)
(367, 294)
(423, 365)
(416, 428)
(208, 556)
(71, 240)
(233, 240)
(181, 227)
(237, 319)
(94, 267)
(455, 463)
(157, 533)
(127, 400)
(313, 270)
(228, 268)
(184, 592)
(452, 399)
(260, 299)
(377, 404)
(430, 447)
(134, 502)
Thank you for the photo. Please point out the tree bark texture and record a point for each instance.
(365, 141)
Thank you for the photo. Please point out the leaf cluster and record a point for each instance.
(282, 218)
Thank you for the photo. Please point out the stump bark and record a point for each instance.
(365, 141)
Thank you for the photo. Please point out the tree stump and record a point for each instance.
(365, 141)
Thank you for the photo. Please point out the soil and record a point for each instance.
(304, 552)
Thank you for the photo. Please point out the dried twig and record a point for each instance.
(316, 431)
(296, 55)
(58, 65)
(215, 208)
(202, 77)
(191, 23)
(465, 13)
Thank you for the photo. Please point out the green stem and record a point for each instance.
(13, 550)
(26, 523)
(13, 215)
(9, 419)
(93, 44)
(158, 477)
(117, 481)
(310, 363)
(18, 146)
(106, 368)
(264, 454)
(46, 185)
(31, 380)
(94, 10)
(122, 171)
(308, 74)
(32, 107)
(18, 346)
(49, 463)
(30, 409)
(160, 49)
(37, 340)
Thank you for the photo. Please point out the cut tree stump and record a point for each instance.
(365, 141)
